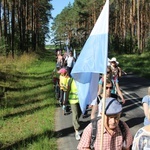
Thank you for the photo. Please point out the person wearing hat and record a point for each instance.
(114, 91)
(115, 87)
(73, 99)
(112, 136)
(116, 70)
(62, 81)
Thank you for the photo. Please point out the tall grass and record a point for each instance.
(27, 104)
(134, 63)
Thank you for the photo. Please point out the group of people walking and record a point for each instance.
(67, 89)
(113, 136)
(65, 60)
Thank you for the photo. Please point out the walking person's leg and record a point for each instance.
(64, 105)
(69, 71)
(61, 97)
(76, 112)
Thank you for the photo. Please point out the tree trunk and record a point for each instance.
(138, 25)
(27, 29)
(12, 27)
(0, 20)
(5, 26)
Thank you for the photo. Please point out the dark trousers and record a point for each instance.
(69, 71)
(61, 96)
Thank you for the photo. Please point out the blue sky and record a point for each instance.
(58, 6)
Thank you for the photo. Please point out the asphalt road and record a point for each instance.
(133, 88)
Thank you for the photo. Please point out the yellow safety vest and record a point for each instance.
(66, 83)
(62, 81)
(73, 96)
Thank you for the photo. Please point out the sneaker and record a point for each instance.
(77, 136)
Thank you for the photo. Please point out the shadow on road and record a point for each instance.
(134, 121)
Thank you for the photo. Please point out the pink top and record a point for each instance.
(110, 142)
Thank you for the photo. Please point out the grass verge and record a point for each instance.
(137, 64)
(27, 103)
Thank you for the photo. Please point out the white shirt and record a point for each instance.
(70, 61)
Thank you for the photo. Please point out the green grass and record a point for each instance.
(28, 105)
(137, 64)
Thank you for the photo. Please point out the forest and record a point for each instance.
(129, 24)
(24, 25)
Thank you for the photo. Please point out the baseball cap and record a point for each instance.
(112, 106)
(62, 70)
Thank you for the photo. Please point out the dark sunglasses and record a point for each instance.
(108, 72)
(108, 87)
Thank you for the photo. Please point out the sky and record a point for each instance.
(58, 6)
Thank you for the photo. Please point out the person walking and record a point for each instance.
(66, 109)
(73, 99)
(116, 70)
(146, 107)
(97, 102)
(109, 86)
(112, 136)
(59, 62)
(141, 139)
(62, 80)
(70, 60)
(115, 90)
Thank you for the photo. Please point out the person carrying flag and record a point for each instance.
(112, 135)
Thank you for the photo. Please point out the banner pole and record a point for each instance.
(103, 110)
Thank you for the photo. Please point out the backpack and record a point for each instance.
(94, 131)
(112, 95)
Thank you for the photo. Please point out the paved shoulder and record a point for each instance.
(133, 83)
(65, 132)
(133, 87)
